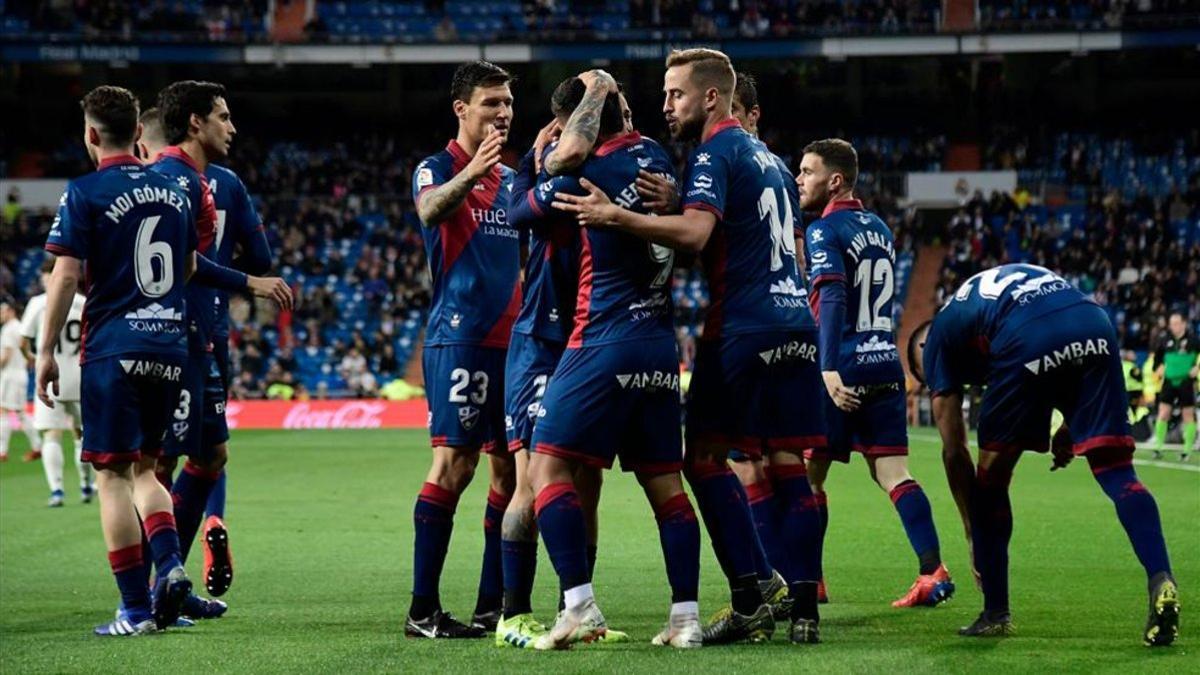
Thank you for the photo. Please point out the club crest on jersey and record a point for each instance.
(424, 176)
(180, 430)
(1071, 353)
(468, 416)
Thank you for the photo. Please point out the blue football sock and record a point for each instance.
(216, 499)
(761, 505)
(801, 527)
(721, 501)
(491, 576)
(564, 530)
(159, 529)
(679, 534)
(190, 494)
(991, 530)
(916, 515)
(126, 566)
(519, 559)
(433, 520)
(822, 501)
(1138, 514)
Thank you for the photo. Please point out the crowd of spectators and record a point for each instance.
(451, 21)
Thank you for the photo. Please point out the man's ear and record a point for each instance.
(460, 109)
(93, 136)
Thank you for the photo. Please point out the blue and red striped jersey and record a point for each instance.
(850, 245)
(474, 256)
(750, 259)
(176, 165)
(624, 282)
(133, 230)
(237, 224)
(552, 269)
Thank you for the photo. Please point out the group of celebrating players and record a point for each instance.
(554, 377)
(555, 371)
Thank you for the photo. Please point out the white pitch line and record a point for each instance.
(925, 435)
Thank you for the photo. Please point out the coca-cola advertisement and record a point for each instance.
(337, 414)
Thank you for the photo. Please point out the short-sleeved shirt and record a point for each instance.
(474, 256)
(134, 228)
(237, 223)
(852, 246)
(624, 281)
(750, 259)
(1177, 355)
(176, 165)
(70, 341)
(985, 311)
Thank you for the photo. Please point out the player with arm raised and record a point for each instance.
(756, 364)
(237, 226)
(461, 196)
(134, 230)
(616, 390)
(1176, 361)
(851, 261)
(1038, 345)
(64, 416)
(197, 123)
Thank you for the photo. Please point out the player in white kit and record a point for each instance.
(14, 380)
(65, 415)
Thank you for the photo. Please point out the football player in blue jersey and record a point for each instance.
(756, 364)
(134, 230)
(851, 268)
(461, 196)
(237, 226)
(197, 125)
(1037, 344)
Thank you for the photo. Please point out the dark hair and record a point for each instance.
(746, 90)
(180, 100)
(114, 110)
(569, 93)
(838, 155)
(477, 74)
(912, 353)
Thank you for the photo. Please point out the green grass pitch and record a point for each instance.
(321, 528)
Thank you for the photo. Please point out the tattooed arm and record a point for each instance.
(436, 204)
(579, 134)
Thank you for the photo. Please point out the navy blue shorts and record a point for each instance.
(531, 362)
(1076, 368)
(757, 392)
(615, 400)
(220, 352)
(126, 404)
(198, 421)
(464, 387)
(879, 427)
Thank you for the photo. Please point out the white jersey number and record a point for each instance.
(874, 274)
(152, 261)
(783, 242)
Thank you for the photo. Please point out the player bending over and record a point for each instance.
(64, 416)
(1037, 344)
(755, 386)
(851, 267)
(461, 194)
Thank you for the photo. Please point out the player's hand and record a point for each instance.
(1061, 449)
(599, 78)
(843, 397)
(545, 137)
(487, 156)
(658, 193)
(273, 288)
(592, 210)
(47, 378)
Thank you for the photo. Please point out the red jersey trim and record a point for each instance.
(717, 128)
(623, 141)
(178, 153)
(704, 206)
(842, 205)
(117, 160)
